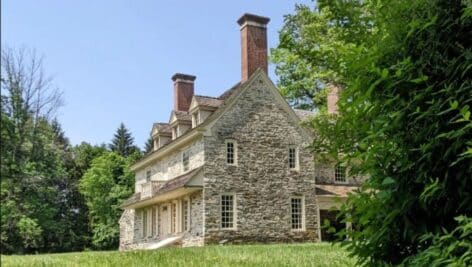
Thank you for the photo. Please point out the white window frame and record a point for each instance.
(186, 214)
(148, 175)
(340, 171)
(149, 222)
(302, 215)
(186, 167)
(233, 211)
(175, 132)
(296, 155)
(144, 222)
(235, 152)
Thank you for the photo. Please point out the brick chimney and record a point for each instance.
(333, 98)
(253, 44)
(183, 91)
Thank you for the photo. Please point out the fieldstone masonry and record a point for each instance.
(262, 181)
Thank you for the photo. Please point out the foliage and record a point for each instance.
(149, 145)
(405, 124)
(448, 248)
(29, 231)
(105, 185)
(313, 46)
(319, 254)
(123, 142)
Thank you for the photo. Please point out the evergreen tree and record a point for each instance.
(123, 142)
(149, 145)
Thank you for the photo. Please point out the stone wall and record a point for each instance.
(171, 166)
(262, 181)
(126, 229)
(325, 175)
(194, 237)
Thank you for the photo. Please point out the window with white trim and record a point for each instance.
(340, 173)
(185, 214)
(186, 160)
(145, 221)
(153, 221)
(227, 211)
(297, 213)
(231, 155)
(173, 226)
(148, 176)
(292, 158)
(174, 132)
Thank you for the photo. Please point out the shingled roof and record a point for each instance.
(335, 190)
(208, 101)
(182, 115)
(164, 187)
(163, 127)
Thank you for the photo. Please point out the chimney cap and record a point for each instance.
(246, 17)
(185, 77)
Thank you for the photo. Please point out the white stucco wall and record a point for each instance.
(171, 166)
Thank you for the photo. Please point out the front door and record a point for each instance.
(165, 218)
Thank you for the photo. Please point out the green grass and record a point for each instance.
(319, 254)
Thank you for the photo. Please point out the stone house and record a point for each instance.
(233, 168)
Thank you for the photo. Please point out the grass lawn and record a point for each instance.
(318, 254)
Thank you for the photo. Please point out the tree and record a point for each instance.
(405, 123)
(123, 142)
(31, 161)
(105, 185)
(149, 145)
(313, 46)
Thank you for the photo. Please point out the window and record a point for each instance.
(186, 160)
(149, 222)
(148, 176)
(144, 217)
(185, 210)
(292, 158)
(195, 119)
(153, 222)
(296, 210)
(174, 132)
(340, 173)
(173, 218)
(231, 152)
(227, 212)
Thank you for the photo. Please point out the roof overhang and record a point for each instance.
(169, 148)
(164, 197)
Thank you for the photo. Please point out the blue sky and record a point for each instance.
(113, 60)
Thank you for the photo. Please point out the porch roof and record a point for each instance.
(338, 190)
(166, 188)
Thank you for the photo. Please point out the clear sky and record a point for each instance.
(113, 59)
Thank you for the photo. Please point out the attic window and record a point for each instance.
(195, 119)
(340, 173)
(231, 156)
(174, 132)
(292, 158)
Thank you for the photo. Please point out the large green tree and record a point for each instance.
(405, 124)
(105, 185)
(313, 47)
(123, 142)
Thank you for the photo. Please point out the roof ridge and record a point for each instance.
(212, 97)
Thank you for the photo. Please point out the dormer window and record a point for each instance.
(174, 132)
(293, 158)
(195, 119)
(231, 156)
(340, 173)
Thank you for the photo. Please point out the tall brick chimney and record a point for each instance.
(253, 44)
(183, 91)
(333, 98)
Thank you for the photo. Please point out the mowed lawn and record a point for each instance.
(319, 254)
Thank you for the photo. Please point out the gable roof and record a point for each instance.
(208, 101)
(228, 98)
(162, 127)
